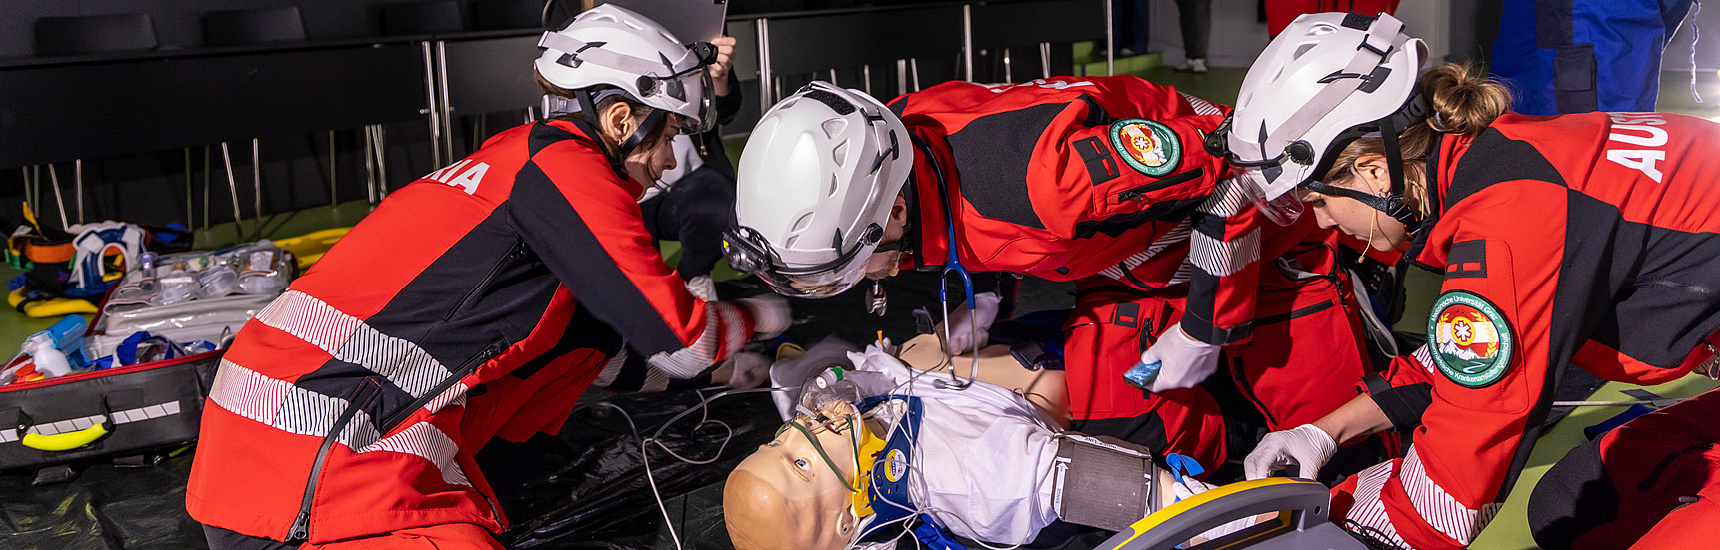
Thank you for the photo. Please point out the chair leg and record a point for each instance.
(257, 184)
(78, 183)
(54, 179)
(333, 198)
(207, 174)
(232, 185)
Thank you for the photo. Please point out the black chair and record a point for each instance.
(508, 14)
(87, 34)
(256, 26)
(422, 18)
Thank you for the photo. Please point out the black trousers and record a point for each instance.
(696, 211)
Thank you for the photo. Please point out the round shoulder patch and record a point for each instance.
(1470, 341)
(1149, 147)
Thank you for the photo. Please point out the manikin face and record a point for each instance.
(785, 488)
(1380, 231)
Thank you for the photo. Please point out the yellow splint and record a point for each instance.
(52, 307)
(309, 248)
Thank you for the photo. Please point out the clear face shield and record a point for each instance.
(690, 85)
(1274, 199)
(749, 252)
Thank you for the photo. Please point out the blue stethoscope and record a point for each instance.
(951, 265)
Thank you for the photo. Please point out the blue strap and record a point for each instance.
(1182, 465)
(934, 535)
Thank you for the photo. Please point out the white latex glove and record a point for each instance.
(746, 370)
(703, 287)
(1306, 446)
(1185, 361)
(770, 314)
(962, 323)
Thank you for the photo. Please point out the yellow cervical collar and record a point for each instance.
(865, 455)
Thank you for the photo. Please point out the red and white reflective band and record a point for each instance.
(725, 330)
(1437, 507)
(1369, 510)
(1201, 106)
(1224, 258)
(350, 339)
(1424, 356)
(283, 406)
(1176, 235)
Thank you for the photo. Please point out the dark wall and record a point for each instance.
(179, 23)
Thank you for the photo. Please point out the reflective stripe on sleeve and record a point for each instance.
(1437, 507)
(1224, 258)
(1369, 510)
(350, 339)
(725, 330)
(283, 406)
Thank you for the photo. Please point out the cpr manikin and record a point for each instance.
(875, 445)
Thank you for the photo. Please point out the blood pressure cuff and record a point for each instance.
(1102, 481)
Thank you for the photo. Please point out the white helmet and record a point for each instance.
(816, 183)
(609, 50)
(1328, 79)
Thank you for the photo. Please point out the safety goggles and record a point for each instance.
(749, 252)
(676, 86)
(1266, 183)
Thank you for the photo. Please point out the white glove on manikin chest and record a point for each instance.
(962, 323)
(1184, 361)
(1307, 446)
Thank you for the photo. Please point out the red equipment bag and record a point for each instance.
(116, 412)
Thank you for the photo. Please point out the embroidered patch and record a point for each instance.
(1149, 147)
(1471, 341)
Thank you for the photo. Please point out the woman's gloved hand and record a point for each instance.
(962, 323)
(1306, 446)
(742, 371)
(1184, 361)
(770, 314)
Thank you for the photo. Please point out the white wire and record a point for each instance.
(1655, 402)
(645, 456)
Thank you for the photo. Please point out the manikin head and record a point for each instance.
(790, 496)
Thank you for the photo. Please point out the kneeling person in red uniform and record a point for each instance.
(477, 302)
(1585, 240)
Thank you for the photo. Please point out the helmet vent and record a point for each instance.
(802, 223)
(841, 153)
(833, 185)
(834, 127)
(1301, 50)
(835, 102)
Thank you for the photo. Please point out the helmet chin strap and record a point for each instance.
(589, 122)
(1391, 203)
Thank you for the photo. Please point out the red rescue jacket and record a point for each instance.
(1070, 177)
(352, 405)
(1588, 239)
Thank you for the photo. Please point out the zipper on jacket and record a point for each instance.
(1240, 376)
(300, 532)
(519, 249)
(400, 415)
(1135, 194)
